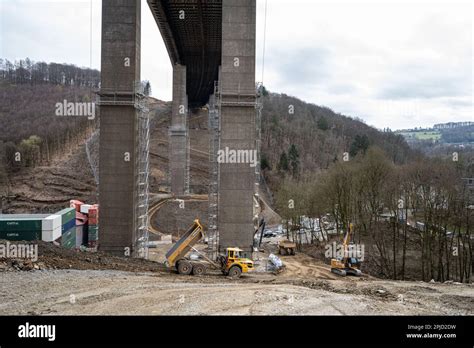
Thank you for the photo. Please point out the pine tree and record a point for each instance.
(283, 163)
(294, 158)
(323, 123)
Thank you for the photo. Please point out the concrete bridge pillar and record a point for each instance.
(179, 134)
(120, 70)
(237, 121)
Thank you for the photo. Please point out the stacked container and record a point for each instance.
(81, 224)
(51, 228)
(76, 205)
(79, 233)
(93, 226)
(75, 226)
(25, 227)
(68, 228)
(84, 209)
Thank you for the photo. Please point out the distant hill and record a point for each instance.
(446, 133)
(442, 139)
(315, 137)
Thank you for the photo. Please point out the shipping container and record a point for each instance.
(51, 223)
(67, 215)
(85, 208)
(21, 235)
(21, 222)
(93, 211)
(79, 236)
(93, 233)
(81, 219)
(76, 204)
(68, 239)
(93, 215)
(51, 235)
(68, 225)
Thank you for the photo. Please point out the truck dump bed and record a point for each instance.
(193, 235)
(285, 243)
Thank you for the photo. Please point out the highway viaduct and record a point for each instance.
(211, 46)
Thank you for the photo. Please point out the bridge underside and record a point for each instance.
(192, 32)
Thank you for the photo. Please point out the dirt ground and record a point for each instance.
(104, 285)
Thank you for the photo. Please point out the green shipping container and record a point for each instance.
(68, 245)
(93, 232)
(66, 215)
(21, 222)
(19, 235)
(68, 239)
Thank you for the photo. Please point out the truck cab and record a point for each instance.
(235, 264)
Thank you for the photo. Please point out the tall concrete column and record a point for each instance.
(237, 121)
(179, 134)
(120, 69)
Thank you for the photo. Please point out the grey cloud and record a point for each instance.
(341, 88)
(301, 66)
(426, 82)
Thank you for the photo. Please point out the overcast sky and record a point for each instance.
(397, 64)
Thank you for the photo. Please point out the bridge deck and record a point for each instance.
(192, 32)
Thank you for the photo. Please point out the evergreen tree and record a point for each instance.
(360, 144)
(294, 158)
(283, 163)
(323, 123)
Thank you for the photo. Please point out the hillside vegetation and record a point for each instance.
(312, 138)
(31, 132)
(325, 165)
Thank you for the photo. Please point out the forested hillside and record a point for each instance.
(30, 126)
(299, 139)
(410, 211)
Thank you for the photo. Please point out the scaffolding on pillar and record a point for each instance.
(214, 144)
(187, 179)
(135, 97)
(241, 98)
(143, 173)
(258, 142)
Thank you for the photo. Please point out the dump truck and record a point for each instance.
(286, 247)
(231, 264)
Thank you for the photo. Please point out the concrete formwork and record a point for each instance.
(237, 122)
(120, 69)
(179, 134)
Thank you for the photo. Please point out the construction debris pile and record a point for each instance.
(275, 264)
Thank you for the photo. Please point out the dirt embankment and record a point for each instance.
(47, 189)
(125, 293)
(100, 284)
(51, 257)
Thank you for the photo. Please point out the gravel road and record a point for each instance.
(96, 292)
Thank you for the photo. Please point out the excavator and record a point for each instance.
(346, 265)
